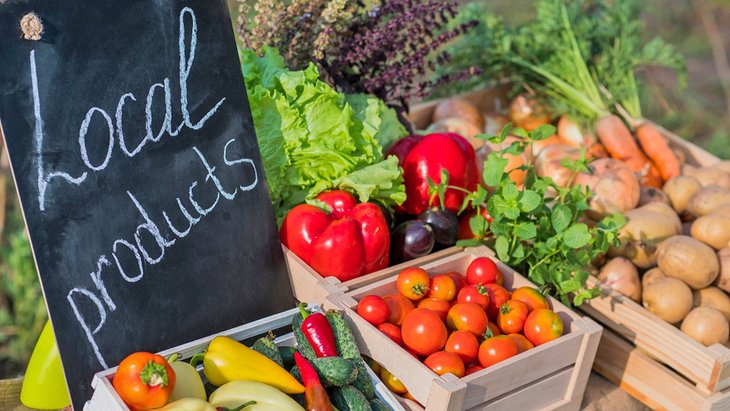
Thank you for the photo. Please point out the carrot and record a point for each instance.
(619, 143)
(656, 147)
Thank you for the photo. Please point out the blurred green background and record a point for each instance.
(701, 114)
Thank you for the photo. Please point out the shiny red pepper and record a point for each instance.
(352, 240)
(424, 157)
(317, 329)
(315, 396)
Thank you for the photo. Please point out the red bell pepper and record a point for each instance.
(315, 396)
(317, 330)
(352, 240)
(425, 156)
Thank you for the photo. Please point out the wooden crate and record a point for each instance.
(105, 398)
(551, 376)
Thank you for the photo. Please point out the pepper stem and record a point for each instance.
(154, 374)
(197, 359)
(174, 357)
(239, 408)
(303, 310)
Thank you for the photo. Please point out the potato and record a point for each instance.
(723, 210)
(708, 176)
(723, 280)
(494, 123)
(548, 163)
(614, 187)
(689, 260)
(707, 199)
(623, 277)
(652, 276)
(680, 189)
(459, 108)
(723, 166)
(707, 326)
(645, 229)
(712, 297)
(459, 126)
(653, 195)
(713, 230)
(669, 298)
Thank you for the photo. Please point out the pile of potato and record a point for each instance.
(679, 239)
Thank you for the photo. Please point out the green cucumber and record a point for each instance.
(378, 405)
(362, 382)
(302, 344)
(347, 348)
(332, 371)
(348, 398)
(287, 356)
(265, 345)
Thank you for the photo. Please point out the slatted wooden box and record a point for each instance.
(647, 357)
(105, 398)
(551, 376)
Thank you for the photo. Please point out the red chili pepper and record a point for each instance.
(318, 332)
(315, 396)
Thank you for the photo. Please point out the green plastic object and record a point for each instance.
(44, 386)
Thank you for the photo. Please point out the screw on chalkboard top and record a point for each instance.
(31, 27)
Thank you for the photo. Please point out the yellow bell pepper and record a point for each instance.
(267, 398)
(228, 360)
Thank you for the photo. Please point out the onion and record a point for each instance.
(525, 112)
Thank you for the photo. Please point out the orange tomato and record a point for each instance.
(496, 349)
(459, 280)
(392, 382)
(498, 295)
(443, 362)
(413, 283)
(392, 331)
(398, 307)
(523, 344)
(512, 316)
(464, 344)
(467, 316)
(543, 325)
(531, 297)
(437, 305)
(423, 332)
(443, 287)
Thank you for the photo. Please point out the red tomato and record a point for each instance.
(472, 369)
(483, 270)
(464, 344)
(398, 307)
(492, 330)
(512, 316)
(442, 362)
(474, 293)
(459, 280)
(392, 331)
(413, 283)
(543, 325)
(468, 317)
(443, 287)
(423, 332)
(465, 231)
(496, 349)
(373, 309)
(531, 297)
(439, 306)
(498, 295)
(523, 344)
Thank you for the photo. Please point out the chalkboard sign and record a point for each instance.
(136, 161)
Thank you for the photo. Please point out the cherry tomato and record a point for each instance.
(543, 325)
(398, 307)
(474, 293)
(467, 316)
(392, 331)
(483, 270)
(496, 349)
(373, 309)
(437, 305)
(464, 344)
(423, 332)
(459, 280)
(443, 287)
(442, 362)
(523, 344)
(491, 331)
(531, 297)
(413, 283)
(472, 369)
(512, 316)
(465, 231)
(498, 295)
(392, 382)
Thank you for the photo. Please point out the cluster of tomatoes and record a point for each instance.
(462, 324)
